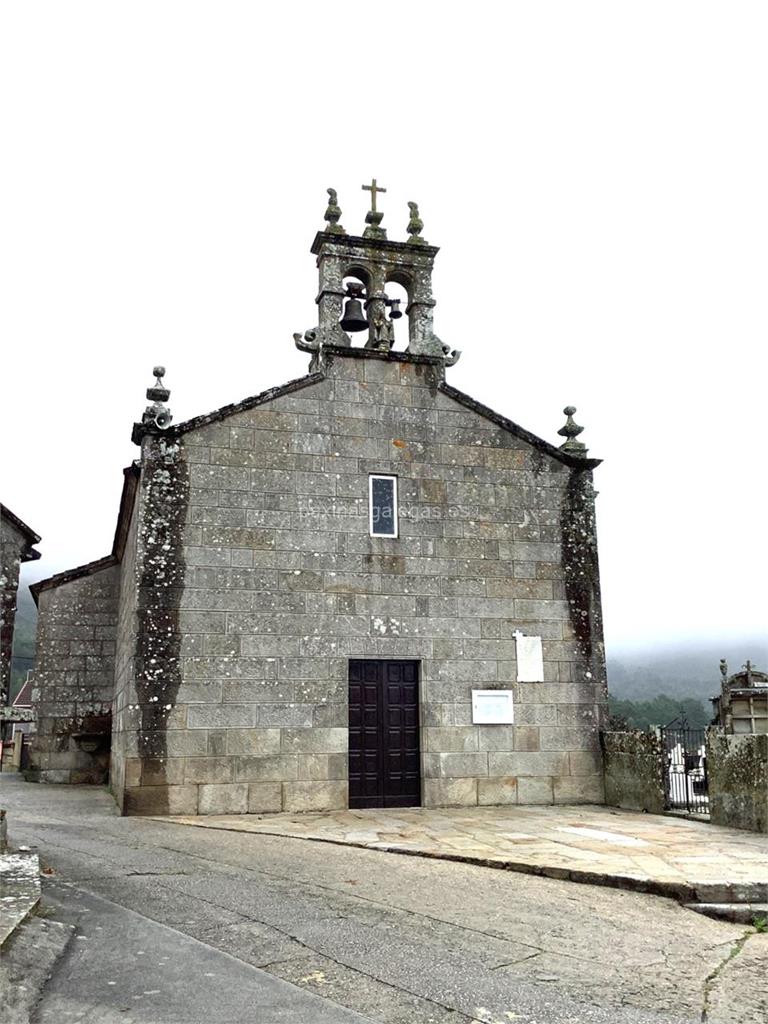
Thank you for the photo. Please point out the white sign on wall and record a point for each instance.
(530, 658)
(492, 707)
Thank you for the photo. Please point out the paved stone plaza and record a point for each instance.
(646, 852)
(400, 940)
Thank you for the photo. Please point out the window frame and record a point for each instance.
(395, 510)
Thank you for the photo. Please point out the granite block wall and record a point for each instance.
(737, 768)
(634, 770)
(273, 583)
(74, 678)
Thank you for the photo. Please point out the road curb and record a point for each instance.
(19, 891)
(704, 894)
(736, 913)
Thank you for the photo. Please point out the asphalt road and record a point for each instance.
(175, 924)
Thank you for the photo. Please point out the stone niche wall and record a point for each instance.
(737, 768)
(73, 680)
(634, 771)
(278, 584)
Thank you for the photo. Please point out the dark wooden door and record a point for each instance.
(384, 734)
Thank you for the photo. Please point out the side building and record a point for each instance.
(361, 589)
(74, 678)
(17, 545)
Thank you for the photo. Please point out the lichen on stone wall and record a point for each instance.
(580, 562)
(737, 767)
(165, 486)
(633, 763)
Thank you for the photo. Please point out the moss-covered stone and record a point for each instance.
(737, 767)
(634, 774)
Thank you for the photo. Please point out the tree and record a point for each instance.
(662, 710)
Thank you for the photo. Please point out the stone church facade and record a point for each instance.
(312, 592)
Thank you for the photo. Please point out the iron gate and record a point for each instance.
(685, 770)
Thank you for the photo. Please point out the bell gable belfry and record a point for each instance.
(372, 262)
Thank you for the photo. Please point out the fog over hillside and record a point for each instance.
(685, 670)
(23, 640)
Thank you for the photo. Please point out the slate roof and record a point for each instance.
(23, 698)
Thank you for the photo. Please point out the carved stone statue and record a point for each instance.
(415, 225)
(333, 214)
(383, 330)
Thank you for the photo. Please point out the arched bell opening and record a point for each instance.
(359, 273)
(356, 283)
(397, 303)
(402, 278)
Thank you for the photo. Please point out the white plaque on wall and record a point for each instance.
(530, 659)
(492, 707)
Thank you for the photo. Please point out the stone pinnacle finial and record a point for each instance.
(570, 431)
(374, 217)
(415, 226)
(333, 214)
(157, 414)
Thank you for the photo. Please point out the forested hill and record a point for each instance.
(680, 672)
(23, 639)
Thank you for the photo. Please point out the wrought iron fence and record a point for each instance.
(685, 770)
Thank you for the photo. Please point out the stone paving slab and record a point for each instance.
(691, 861)
(19, 891)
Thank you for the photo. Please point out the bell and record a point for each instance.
(394, 309)
(354, 317)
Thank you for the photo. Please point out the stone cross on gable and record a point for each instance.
(373, 188)
(374, 217)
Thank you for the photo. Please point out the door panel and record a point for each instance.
(384, 762)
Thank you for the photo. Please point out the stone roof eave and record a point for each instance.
(29, 554)
(574, 461)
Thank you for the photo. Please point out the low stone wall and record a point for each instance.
(737, 767)
(633, 766)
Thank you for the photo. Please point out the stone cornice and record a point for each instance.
(574, 461)
(347, 242)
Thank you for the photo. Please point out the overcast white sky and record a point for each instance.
(596, 175)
